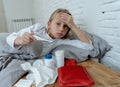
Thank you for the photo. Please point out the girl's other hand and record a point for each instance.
(68, 19)
(25, 39)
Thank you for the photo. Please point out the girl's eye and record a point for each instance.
(66, 27)
(58, 24)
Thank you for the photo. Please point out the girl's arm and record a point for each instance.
(16, 38)
(24, 36)
(80, 34)
(68, 19)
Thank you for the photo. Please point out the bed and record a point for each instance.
(11, 59)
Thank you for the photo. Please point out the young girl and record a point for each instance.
(58, 27)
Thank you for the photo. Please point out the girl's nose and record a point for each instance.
(61, 28)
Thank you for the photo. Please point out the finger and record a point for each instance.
(65, 15)
(26, 41)
(64, 18)
(30, 36)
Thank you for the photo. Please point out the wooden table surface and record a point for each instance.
(102, 75)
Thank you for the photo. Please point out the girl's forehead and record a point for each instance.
(57, 17)
(58, 14)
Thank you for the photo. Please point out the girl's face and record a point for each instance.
(56, 28)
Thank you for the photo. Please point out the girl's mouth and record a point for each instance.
(60, 34)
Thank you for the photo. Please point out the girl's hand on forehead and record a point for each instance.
(68, 19)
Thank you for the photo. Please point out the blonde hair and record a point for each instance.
(58, 11)
(54, 14)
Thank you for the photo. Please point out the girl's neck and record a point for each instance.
(50, 35)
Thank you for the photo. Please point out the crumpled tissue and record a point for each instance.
(39, 73)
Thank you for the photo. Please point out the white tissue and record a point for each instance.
(26, 66)
(40, 74)
(48, 75)
(34, 74)
(38, 63)
(30, 76)
(24, 83)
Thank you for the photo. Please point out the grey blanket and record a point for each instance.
(100, 46)
(27, 52)
(9, 57)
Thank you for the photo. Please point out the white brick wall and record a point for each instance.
(101, 17)
(48, 6)
(108, 26)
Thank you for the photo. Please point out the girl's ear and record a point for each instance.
(49, 23)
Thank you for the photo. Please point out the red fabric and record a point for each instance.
(73, 75)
